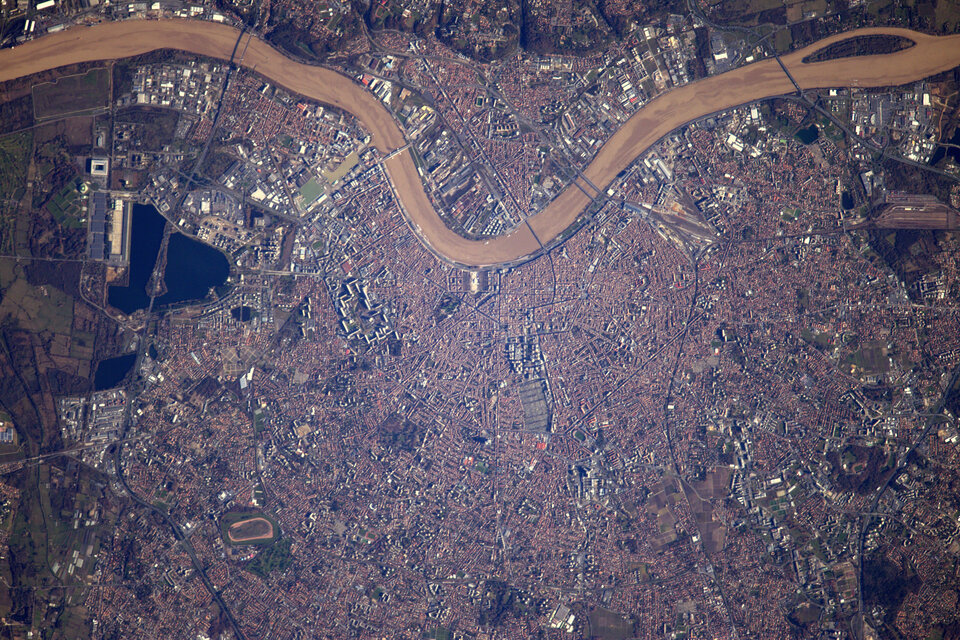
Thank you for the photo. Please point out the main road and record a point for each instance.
(657, 118)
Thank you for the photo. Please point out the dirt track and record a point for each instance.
(763, 79)
(237, 525)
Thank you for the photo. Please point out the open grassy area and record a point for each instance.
(310, 192)
(609, 625)
(72, 95)
(276, 557)
(782, 41)
(947, 15)
(820, 339)
(8, 226)
(28, 534)
(9, 272)
(65, 205)
(258, 421)
(44, 308)
(871, 358)
(14, 155)
(81, 345)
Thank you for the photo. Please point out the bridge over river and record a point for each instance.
(764, 79)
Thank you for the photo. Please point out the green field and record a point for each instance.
(41, 309)
(72, 95)
(276, 557)
(8, 230)
(9, 452)
(609, 625)
(65, 205)
(871, 358)
(782, 41)
(947, 15)
(310, 192)
(14, 156)
(81, 345)
(258, 420)
(9, 272)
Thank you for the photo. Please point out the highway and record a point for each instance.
(656, 119)
(872, 511)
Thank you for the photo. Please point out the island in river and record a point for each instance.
(767, 78)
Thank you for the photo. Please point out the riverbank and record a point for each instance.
(656, 119)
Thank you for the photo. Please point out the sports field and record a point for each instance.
(248, 528)
(253, 529)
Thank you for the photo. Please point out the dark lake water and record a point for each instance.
(112, 370)
(846, 200)
(146, 234)
(243, 314)
(809, 135)
(952, 152)
(192, 267)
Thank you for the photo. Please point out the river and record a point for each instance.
(657, 118)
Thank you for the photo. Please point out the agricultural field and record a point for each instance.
(17, 114)
(701, 496)
(39, 297)
(9, 272)
(81, 345)
(40, 309)
(609, 625)
(72, 95)
(57, 533)
(14, 157)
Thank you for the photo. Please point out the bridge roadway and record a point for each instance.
(679, 106)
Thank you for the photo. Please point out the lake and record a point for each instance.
(113, 370)
(192, 267)
(243, 314)
(809, 135)
(145, 237)
(951, 151)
